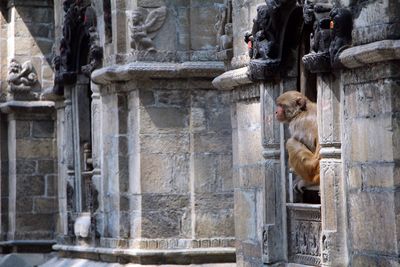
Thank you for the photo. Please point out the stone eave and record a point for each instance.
(148, 70)
(231, 79)
(380, 51)
(26, 106)
(187, 256)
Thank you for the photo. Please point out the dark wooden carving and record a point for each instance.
(332, 34)
(267, 39)
(341, 26)
(80, 51)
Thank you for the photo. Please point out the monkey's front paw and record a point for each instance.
(299, 184)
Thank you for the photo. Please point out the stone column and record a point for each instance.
(333, 186)
(371, 151)
(274, 232)
(370, 137)
(32, 180)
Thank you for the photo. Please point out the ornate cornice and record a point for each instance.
(375, 52)
(147, 70)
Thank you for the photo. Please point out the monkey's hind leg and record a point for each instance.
(304, 162)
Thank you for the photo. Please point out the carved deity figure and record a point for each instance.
(224, 26)
(262, 40)
(20, 76)
(341, 26)
(144, 26)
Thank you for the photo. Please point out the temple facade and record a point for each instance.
(143, 132)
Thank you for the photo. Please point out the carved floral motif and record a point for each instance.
(144, 27)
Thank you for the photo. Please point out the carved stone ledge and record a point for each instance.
(263, 69)
(231, 79)
(181, 256)
(147, 70)
(362, 55)
(26, 106)
(317, 62)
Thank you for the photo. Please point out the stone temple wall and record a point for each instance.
(144, 131)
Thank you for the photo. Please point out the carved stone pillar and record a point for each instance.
(30, 195)
(96, 125)
(333, 209)
(274, 232)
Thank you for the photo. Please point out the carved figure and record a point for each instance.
(224, 26)
(58, 87)
(303, 146)
(261, 40)
(21, 75)
(95, 52)
(144, 27)
(341, 26)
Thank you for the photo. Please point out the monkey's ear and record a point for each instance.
(301, 103)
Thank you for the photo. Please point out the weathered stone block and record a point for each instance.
(30, 185)
(163, 201)
(373, 222)
(147, 97)
(372, 260)
(178, 98)
(44, 205)
(51, 181)
(46, 166)
(249, 146)
(164, 143)
(251, 176)
(34, 222)
(156, 173)
(197, 119)
(212, 143)
(26, 166)
(205, 173)
(24, 204)
(214, 201)
(202, 28)
(43, 129)
(30, 149)
(22, 129)
(162, 224)
(219, 119)
(245, 214)
(154, 119)
(211, 223)
(371, 139)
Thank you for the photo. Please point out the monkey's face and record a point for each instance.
(289, 105)
(280, 113)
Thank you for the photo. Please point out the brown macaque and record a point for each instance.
(303, 146)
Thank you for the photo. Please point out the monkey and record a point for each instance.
(303, 147)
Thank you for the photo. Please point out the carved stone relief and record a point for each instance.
(21, 79)
(304, 228)
(224, 26)
(144, 27)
